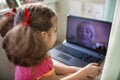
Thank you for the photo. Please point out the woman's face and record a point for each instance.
(84, 33)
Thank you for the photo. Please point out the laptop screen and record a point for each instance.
(88, 33)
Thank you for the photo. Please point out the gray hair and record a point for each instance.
(90, 27)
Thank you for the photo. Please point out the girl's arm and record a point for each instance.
(51, 77)
(64, 69)
(87, 73)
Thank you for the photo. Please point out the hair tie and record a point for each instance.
(14, 11)
(27, 17)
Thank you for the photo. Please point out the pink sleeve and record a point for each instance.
(44, 67)
(25, 73)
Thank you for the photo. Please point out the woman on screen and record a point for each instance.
(85, 34)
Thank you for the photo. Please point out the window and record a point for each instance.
(3, 5)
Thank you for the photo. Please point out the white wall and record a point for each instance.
(111, 70)
(6, 68)
(86, 8)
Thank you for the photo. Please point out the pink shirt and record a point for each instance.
(27, 73)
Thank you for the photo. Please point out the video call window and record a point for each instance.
(90, 33)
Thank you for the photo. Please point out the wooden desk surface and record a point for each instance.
(60, 76)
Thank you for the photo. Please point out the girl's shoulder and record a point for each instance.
(45, 68)
(46, 63)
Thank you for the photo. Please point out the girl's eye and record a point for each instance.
(56, 29)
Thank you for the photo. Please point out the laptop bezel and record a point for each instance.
(103, 53)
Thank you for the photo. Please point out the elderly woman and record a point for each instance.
(85, 34)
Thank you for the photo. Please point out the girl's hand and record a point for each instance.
(87, 73)
(91, 70)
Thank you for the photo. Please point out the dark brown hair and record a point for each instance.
(6, 23)
(23, 44)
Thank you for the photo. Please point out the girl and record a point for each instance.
(6, 22)
(27, 43)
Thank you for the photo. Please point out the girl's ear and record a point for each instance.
(44, 35)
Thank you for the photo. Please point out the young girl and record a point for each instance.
(27, 43)
(6, 22)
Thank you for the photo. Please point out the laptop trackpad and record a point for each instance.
(67, 58)
(70, 60)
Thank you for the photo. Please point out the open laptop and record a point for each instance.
(73, 51)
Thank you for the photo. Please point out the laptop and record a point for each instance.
(77, 49)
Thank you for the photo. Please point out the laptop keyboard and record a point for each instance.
(78, 54)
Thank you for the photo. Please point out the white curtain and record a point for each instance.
(112, 62)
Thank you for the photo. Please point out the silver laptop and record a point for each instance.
(86, 42)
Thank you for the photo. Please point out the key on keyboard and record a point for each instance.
(78, 54)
